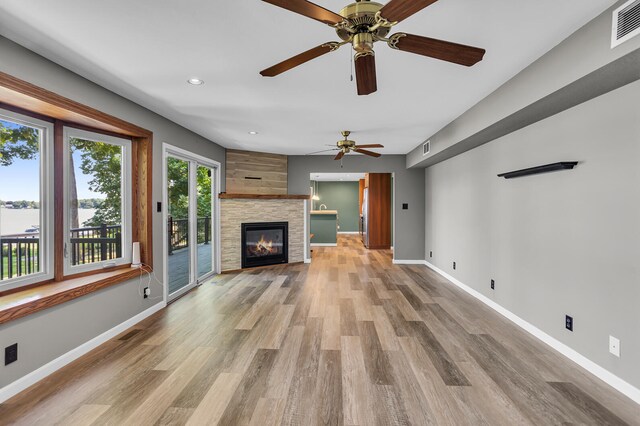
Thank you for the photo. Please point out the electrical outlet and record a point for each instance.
(454, 265)
(493, 285)
(430, 254)
(147, 292)
(614, 346)
(10, 354)
(405, 206)
(568, 322)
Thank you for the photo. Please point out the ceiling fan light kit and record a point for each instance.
(364, 23)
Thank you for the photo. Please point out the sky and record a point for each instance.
(19, 181)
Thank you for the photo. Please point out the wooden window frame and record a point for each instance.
(28, 99)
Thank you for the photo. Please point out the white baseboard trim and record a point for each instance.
(35, 376)
(324, 244)
(349, 233)
(598, 371)
(407, 262)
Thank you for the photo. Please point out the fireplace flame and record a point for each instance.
(264, 247)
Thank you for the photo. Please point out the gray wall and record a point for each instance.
(541, 84)
(409, 188)
(343, 197)
(44, 336)
(557, 243)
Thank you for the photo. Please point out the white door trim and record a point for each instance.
(174, 151)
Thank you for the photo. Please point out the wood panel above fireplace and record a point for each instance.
(250, 172)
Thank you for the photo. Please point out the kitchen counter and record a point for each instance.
(331, 212)
(324, 227)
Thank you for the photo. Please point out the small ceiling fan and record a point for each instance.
(346, 146)
(365, 22)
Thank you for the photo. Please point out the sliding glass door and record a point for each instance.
(190, 220)
(178, 243)
(204, 193)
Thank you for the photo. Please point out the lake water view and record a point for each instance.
(16, 221)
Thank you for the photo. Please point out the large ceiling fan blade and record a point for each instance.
(339, 156)
(399, 10)
(308, 9)
(365, 152)
(439, 49)
(324, 150)
(300, 59)
(366, 73)
(373, 145)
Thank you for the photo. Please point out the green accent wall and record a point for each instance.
(343, 197)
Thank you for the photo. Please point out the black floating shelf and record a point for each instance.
(563, 165)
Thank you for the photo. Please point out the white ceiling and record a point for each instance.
(145, 50)
(336, 177)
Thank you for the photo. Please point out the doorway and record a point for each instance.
(344, 203)
(191, 220)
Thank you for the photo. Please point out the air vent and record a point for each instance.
(626, 22)
(426, 147)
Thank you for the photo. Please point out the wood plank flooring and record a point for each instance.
(350, 339)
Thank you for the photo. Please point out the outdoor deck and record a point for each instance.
(178, 266)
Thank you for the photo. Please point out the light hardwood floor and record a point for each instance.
(350, 339)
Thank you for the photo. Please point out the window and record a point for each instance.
(25, 208)
(41, 150)
(97, 201)
(97, 207)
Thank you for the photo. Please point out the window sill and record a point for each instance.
(37, 298)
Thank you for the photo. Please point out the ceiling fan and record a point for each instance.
(346, 146)
(365, 22)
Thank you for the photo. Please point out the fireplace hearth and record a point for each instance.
(264, 243)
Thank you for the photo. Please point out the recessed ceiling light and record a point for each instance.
(253, 132)
(195, 81)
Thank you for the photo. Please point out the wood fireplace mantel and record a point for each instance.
(224, 195)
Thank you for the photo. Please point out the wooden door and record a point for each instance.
(379, 210)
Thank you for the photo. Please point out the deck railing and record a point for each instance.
(19, 254)
(95, 244)
(178, 232)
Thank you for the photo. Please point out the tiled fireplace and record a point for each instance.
(234, 212)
